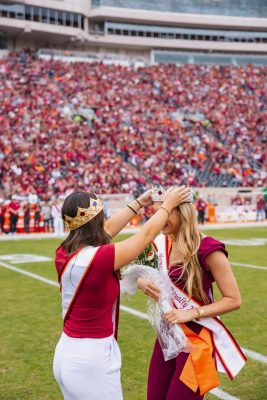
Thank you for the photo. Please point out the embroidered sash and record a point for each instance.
(229, 358)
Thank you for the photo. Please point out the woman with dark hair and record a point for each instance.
(87, 358)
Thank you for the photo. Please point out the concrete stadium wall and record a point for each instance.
(181, 19)
(21, 33)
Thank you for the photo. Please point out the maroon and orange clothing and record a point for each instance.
(166, 379)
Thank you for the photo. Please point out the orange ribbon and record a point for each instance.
(199, 370)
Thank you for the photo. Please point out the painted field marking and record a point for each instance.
(255, 356)
(222, 395)
(236, 264)
(22, 258)
(30, 274)
(245, 242)
(252, 354)
(134, 312)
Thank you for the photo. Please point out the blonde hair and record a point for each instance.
(188, 241)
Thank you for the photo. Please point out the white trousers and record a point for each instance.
(88, 369)
(58, 226)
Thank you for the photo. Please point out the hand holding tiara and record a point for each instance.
(146, 198)
(158, 194)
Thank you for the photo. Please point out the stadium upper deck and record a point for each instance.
(136, 27)
(244, 8)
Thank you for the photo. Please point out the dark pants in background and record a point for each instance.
(26, 223)
(201, 217)
(2, 223)
(13, 223)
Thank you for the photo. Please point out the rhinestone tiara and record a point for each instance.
(158, 193)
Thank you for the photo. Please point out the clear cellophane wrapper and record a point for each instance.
(171, 337)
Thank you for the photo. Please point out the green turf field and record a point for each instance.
(31, 324)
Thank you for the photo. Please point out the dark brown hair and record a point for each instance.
(90, 234)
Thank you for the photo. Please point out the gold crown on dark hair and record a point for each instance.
(84, 215)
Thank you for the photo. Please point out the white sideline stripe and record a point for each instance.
(30, 274)
(134, 312)
(252, 354)
(222, 395)
(255, 356)
(248, 266)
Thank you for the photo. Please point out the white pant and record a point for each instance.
(88, 369)
(58, 226)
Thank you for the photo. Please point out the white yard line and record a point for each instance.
(236, 264)
(220, 394)
(134, 312)
(255, 356)
(27, 273)
(251, 354)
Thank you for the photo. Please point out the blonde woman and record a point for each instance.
(193, 262)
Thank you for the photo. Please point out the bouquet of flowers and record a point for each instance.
(148, 257)
(171, 337)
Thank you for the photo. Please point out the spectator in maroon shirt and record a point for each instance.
(260, 208)
(14, 207)
(201, 206)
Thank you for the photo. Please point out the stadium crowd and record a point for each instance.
(163, 124)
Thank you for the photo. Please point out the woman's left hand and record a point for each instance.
(179, 316)
(146, 198)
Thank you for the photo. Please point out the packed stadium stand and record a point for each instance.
(74, 125)
(123, 94)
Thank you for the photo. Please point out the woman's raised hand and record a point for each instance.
(127, 250)
(175, 196)
(146, 198)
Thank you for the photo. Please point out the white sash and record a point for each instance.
(73, 276)
(229, 357)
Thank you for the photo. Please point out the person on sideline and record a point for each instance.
(26, 217)
(193, 262)
(87, 359)
(260, 208)
(46, 210)
(201, 206)
(14, 208)
(57, 220)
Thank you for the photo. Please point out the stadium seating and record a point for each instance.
(116, 129)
